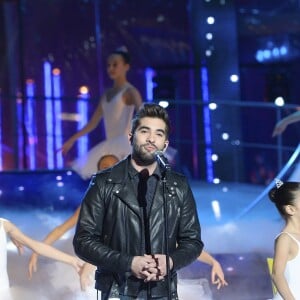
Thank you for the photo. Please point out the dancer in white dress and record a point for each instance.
(116, 107)
(21, 240)
(286, 265)
(292, 269)
(4, 282)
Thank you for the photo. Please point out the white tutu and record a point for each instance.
(4, 282)
(86, 166)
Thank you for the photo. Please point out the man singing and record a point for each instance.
(121, 227)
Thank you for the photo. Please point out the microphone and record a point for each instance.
(162, 160)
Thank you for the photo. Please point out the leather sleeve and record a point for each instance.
(89, 241)
(189, 243)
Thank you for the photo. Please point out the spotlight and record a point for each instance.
(216, 209)
(216, 180)
(283, 50)
(266, 54)
(214, 157)
(212, 106)
(208, 52)
(279, 101)
(209, 36)
(225, 136)
(164, 103)
(210, 20)
(234, 78)
(84, 90)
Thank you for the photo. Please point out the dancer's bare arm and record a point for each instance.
(53, 236)
(91, 125)
(17, 235)
(217, 274)
(283, 123)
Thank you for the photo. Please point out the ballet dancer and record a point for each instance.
(286, 264)
(116, 108)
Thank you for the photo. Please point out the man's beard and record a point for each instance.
(142, 158)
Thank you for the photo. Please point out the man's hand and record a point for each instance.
(150, 267)
(142, 265)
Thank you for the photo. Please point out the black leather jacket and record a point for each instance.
(109, 232)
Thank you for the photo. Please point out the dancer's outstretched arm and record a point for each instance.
(87, 274)
(53, 236)
(283, 123)
(19, 238)
(90, 126)
(217, 274)
(87, 271)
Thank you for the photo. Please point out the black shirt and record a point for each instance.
(144, 185)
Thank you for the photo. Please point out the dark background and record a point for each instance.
(77, 35)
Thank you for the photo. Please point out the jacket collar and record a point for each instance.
(122, 168)
(119, 174)
(119, 170)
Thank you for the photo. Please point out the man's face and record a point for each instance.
(149, 137)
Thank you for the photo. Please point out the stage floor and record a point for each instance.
(239, 238)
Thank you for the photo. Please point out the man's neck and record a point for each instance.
(151, 168)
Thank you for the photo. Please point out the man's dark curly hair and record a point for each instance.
(152, 111)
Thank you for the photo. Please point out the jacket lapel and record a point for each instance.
(128, 196)
(158, 199)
